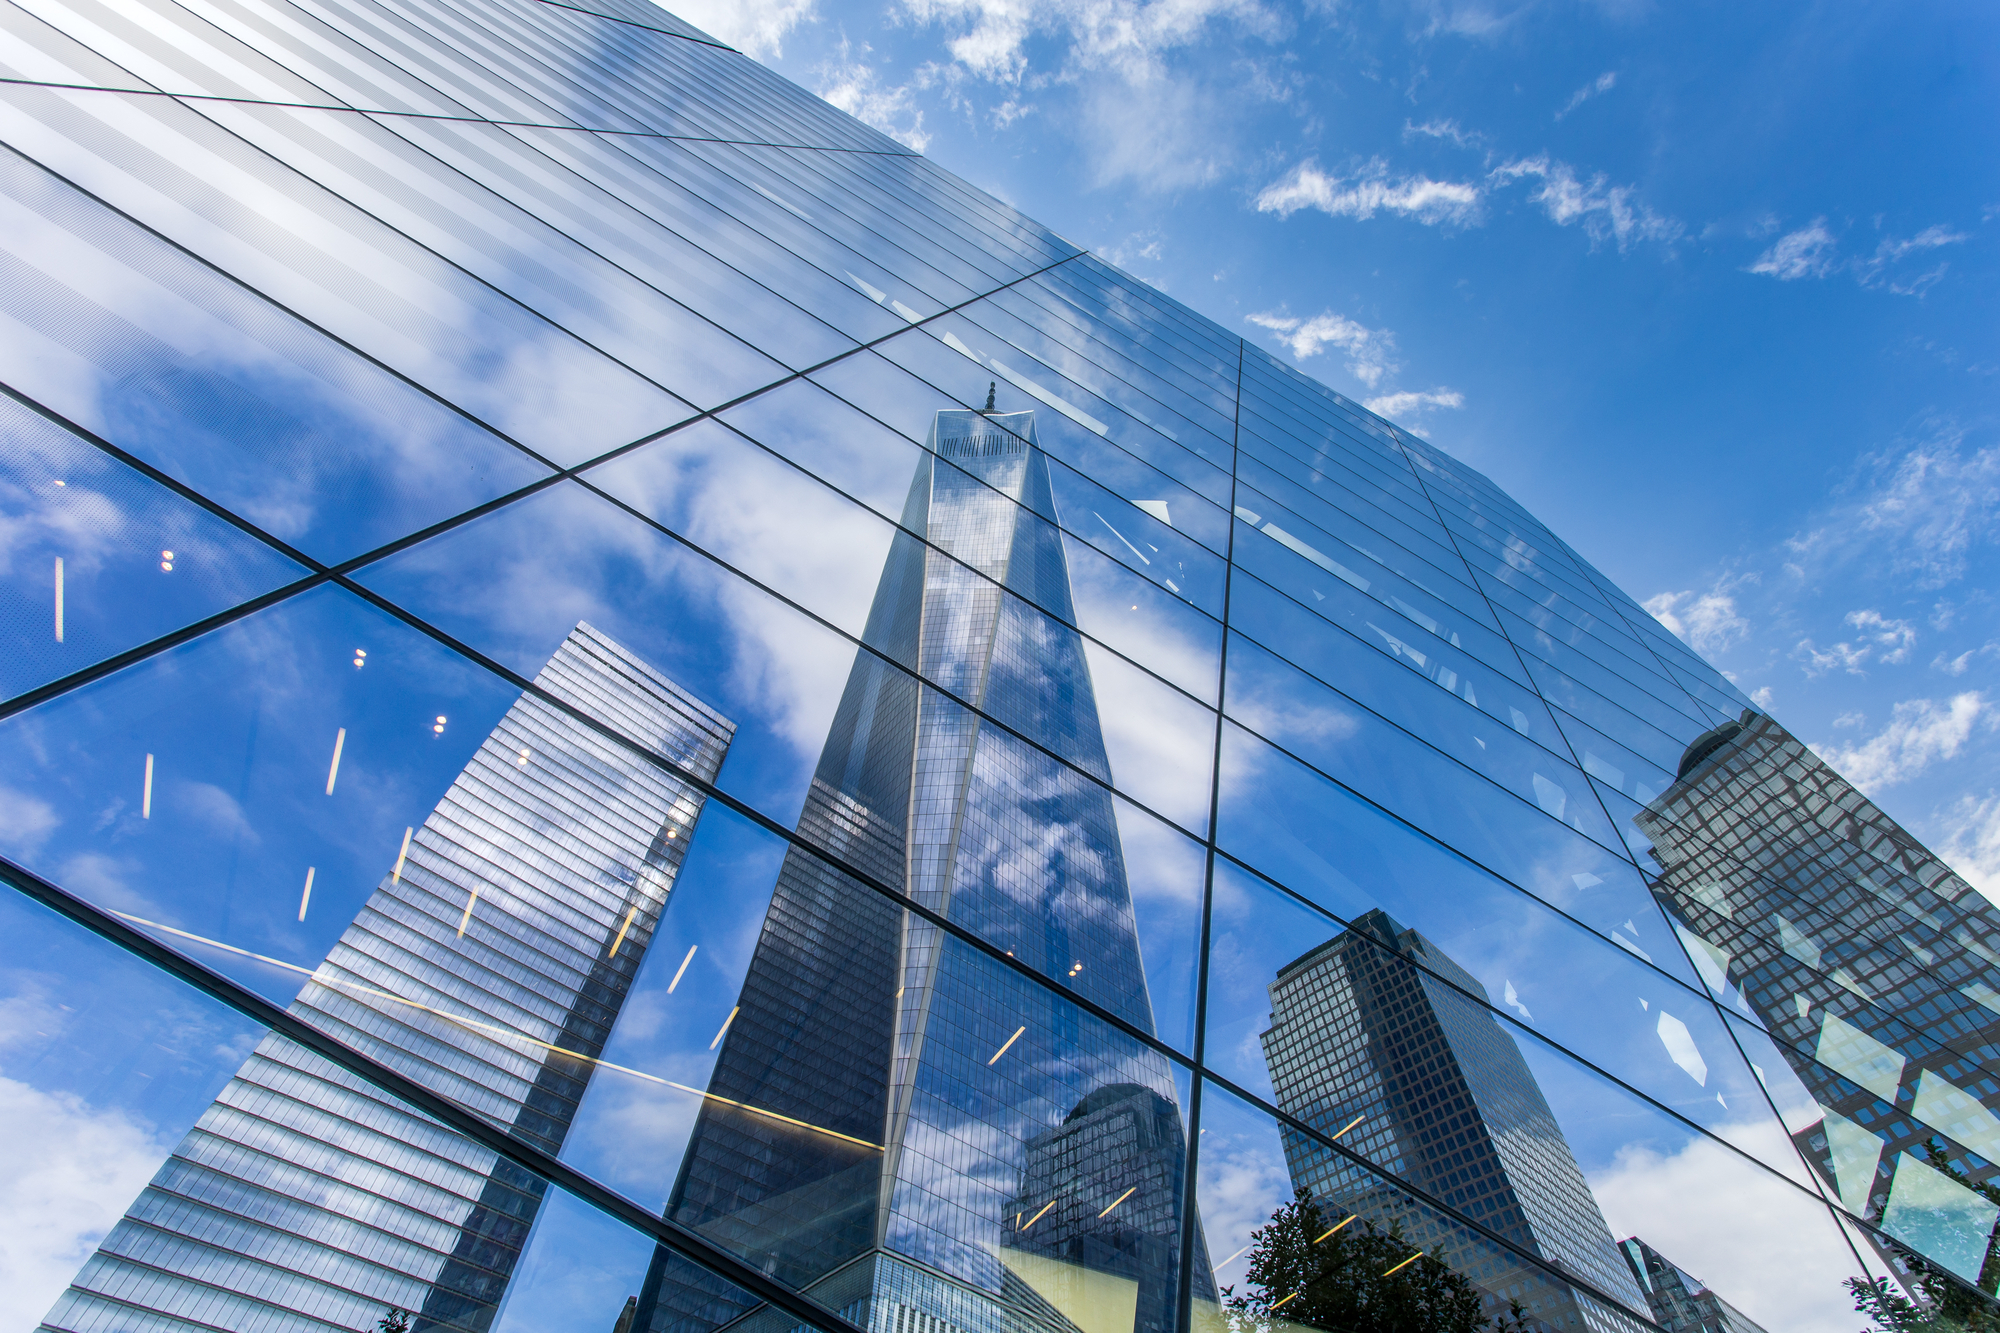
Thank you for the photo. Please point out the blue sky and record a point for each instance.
(1708, 288)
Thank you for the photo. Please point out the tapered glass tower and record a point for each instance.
(955, 1192)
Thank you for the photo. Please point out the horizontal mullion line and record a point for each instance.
(432, 115)
(453, 1116)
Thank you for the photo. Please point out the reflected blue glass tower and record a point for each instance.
(948, 1083)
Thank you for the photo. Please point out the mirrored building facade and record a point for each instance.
(393, 388)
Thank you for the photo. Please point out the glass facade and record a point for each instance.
(628, 706)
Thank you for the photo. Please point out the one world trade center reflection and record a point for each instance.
(992, 1164)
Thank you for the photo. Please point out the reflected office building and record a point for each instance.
(976, 1164)
(1370, 1044)
(1874, 966)
(490, 963)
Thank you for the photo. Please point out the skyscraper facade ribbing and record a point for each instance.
(1086, 666)
(497, 952)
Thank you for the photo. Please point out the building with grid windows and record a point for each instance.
(1864, 955)
(496, 954)
(352, 352)
(1378, 1041)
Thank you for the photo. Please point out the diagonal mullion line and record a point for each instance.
(451, 1114)
(60, 86)
(321, 571)
(666, 32)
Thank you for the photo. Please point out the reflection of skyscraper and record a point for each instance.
(1875, 967)
(861, 1018)
(1681, 1303)
(499, 949)
(1430, 1087)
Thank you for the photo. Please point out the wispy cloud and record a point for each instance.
(1368, 350)
(1603, 83)
(1443, 129)
(1605, 211)
(1407, 407)
(1813, 251)
(1707, 621)
(1126, 36)
(851, 84)
(1921, 512)
(1921, 732)
(755, 27)
(1369, 191)
(1971, 842)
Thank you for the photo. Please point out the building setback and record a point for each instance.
(491, 963)
(1681, 1304)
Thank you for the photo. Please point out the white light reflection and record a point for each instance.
(146, 799)
(396, 875)
(305, 899)
(167, 561)
(724, 1028)
(333, 770)
(683, 968)
(438, 728)
(360, 658)
(59, 596)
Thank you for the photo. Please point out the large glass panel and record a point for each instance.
(101, 558)
(230, 206)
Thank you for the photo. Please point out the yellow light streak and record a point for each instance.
(684, 967)
(339, 741)
(1232, 1258)
(619, 942)
(1406, 1263)
(1289, 1299)
(1120, 1199)
(146, 800)
(1351, 1124)
(725, 1027)
(307, 896)
(1335, 1227)
(494, 1030)
(1038, 1216)
(396, 875)
(1004, 1045)
(466, 919)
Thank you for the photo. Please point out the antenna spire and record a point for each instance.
(990, 386)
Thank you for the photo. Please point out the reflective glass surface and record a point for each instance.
(627, 706)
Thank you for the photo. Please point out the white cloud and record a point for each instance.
(1920, 733)
(87, 1166)
(25, 821)
(1772, 1252)
(1432, 202)
(1761, 696)
(1805, 253)
(1604, 210)
(1812, 252)
(1971, 844)
(1443, 129)
(1817, 661)
(1127, 36)
(1896, 638)
(1368, 350)
(1408, 406)
(757, 28)
(851, 84)
(1603, 83)
(1708, 621)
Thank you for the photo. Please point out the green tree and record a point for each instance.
(1946, 1305)
(396, 1321)
(1357, 1279)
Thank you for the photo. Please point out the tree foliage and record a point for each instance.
(396, 1321)
(1946, 1306)
(1344, 1281)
